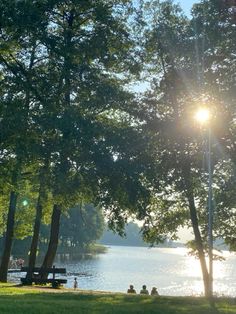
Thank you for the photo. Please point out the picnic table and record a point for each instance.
(37, 276)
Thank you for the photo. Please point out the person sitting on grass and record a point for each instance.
(154, 291)
(144, 290)
(131, 289)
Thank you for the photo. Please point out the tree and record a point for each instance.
(93, 116)
(17, 139)
(82, 226)
(182, 78)
(72, 62)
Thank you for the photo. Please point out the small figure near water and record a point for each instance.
(75, 283)
(144, 290)
(131, 289)
(154, 291)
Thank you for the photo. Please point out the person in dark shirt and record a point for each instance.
(144, 290)
(131, 289)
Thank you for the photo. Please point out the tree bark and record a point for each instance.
(35, 238)
(37, 223)
(198, 239)
(8, 237)
(186, 170)
(53, 243)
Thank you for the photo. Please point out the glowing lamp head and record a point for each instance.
(202, 115)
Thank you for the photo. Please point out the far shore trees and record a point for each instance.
(80, 228)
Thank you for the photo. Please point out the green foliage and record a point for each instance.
(181, 80)
(164, 219)
(64, 71)
(193, 251)
(3, 204)
(185, 63)
(82, 226)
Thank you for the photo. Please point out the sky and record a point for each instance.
(186, 5)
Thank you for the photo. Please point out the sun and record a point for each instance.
(202, 115)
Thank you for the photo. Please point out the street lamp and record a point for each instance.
(203, 117)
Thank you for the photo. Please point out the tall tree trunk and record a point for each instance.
(8, 237)
(35, 238)
(37, 223)
(199, 244)
(195, 225)
(54, 236)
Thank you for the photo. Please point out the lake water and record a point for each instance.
(171, 270)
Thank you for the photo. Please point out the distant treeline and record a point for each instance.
(133, 237)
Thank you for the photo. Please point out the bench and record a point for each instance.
(38, 272)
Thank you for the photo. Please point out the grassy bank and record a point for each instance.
(17, 300)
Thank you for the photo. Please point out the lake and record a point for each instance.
(171, 270)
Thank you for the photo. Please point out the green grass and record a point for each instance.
(18, 300)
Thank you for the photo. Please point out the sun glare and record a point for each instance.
(202, 115)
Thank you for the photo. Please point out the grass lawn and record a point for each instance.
(18, 300)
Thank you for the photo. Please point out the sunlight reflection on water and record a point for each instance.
(172, 270)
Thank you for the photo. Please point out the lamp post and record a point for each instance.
(203, 117)
(210, 215)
